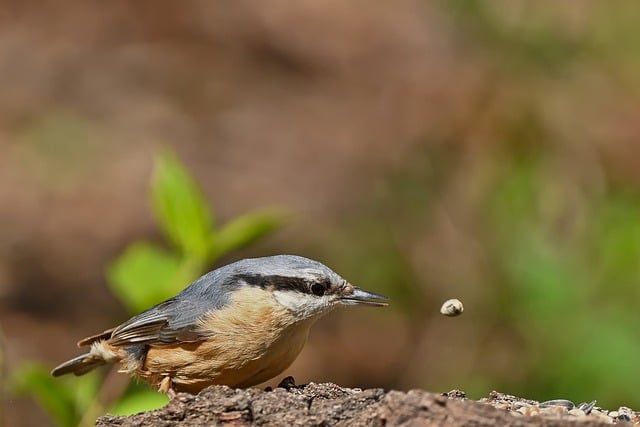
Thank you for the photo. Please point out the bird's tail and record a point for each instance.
(79, 365)
(100, 354)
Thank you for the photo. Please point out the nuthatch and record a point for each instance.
(239, 325)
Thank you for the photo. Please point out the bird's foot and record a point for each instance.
(287, 383)
(166, 386)
(171, 393)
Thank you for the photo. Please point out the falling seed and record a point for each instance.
(452, 307)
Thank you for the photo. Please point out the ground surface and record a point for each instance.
(329, 404)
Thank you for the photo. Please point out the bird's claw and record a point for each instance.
(287, 383)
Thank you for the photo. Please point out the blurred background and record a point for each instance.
(487, 151)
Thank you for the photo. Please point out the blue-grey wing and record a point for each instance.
(167, 323)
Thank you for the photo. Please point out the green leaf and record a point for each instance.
(34, 380)
(246, 229)
(139, 400)
(146, 274)
(180, 207)
(83, 390)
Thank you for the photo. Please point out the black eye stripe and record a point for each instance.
(285, 283)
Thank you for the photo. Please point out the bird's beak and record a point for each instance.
(362, 297)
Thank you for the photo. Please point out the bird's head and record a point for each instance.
(306, 287)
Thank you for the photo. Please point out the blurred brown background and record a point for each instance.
(427, 150)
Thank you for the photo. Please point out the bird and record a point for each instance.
(239, 325)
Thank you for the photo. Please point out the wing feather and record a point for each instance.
(167, 323)
(97, 337)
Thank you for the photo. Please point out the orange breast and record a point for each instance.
(251, 340)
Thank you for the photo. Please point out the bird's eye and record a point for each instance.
(317, 289)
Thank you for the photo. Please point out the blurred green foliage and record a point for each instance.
(572, 288)
(144, 275)
(559, 277)
(66, 400)
(539, 41)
